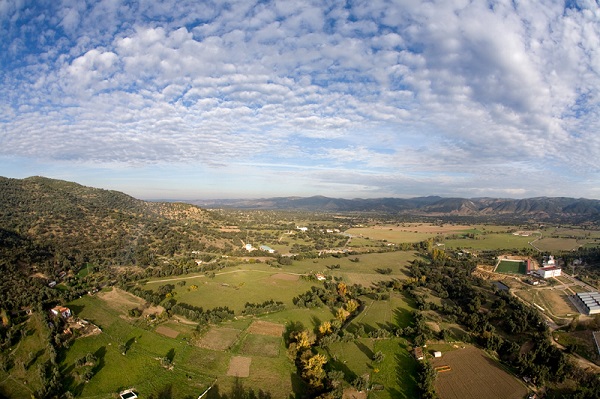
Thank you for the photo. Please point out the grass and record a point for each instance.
(490, 242)
(235, 287)
(396, 373)
(511, 267)
(194, 367)
(389, 235)
(365, 270)
(24, 360)
(395, 312)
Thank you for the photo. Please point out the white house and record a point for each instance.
(304, 229)
(62, 311)
(267, 249)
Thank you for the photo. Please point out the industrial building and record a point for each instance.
(589, 302)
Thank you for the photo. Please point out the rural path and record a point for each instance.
(166, 280)
(537, 239)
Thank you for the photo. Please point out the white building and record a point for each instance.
(548, 271)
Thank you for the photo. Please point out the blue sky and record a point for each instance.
(202, 99)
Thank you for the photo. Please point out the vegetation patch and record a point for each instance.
(167, 332)
(266, 328)
(261, 345)
(239, 366)
(219, 338)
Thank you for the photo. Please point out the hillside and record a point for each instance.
(540, 208)
(93, 225)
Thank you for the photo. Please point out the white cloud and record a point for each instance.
(447, 88)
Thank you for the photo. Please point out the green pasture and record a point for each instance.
(24, 360)
(194, 368)
(310, 318)
(506, 266)
(558, 244)
(394, 312)
(397, 372)
(234, 288)
(365, 270)
(490, 242)
(390, 235)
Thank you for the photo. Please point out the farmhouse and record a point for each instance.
(419, 353)
(304, 229)
(320, 277)
(249, 248)
(62, 311)
(548, 271)
(267, 249)
(589, 302)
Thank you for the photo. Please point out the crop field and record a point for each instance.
(558, 244)
(219, 338)
(516, 267)
(474, 375)
(490, 241)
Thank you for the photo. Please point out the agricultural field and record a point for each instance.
(471, 374)
(492, 241)
(406, 232)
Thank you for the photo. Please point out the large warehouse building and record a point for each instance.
(589, 302)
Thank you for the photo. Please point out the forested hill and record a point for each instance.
(539, 208)
(82, 224)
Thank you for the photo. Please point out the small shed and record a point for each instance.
(128, 394)
(437, 354)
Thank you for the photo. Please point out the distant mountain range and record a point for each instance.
(538, 208)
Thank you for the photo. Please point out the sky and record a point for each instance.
(351, 99)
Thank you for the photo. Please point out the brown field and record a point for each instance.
(424, 228)
(239, 366)
(230, 229)
(352, 393)
(557, 302)
(261, 345)
(285, 277)
(219, 338)
(120, 300)
(474, 375)
(266, 328)
(166, 331)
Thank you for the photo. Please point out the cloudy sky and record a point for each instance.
(217, 99)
